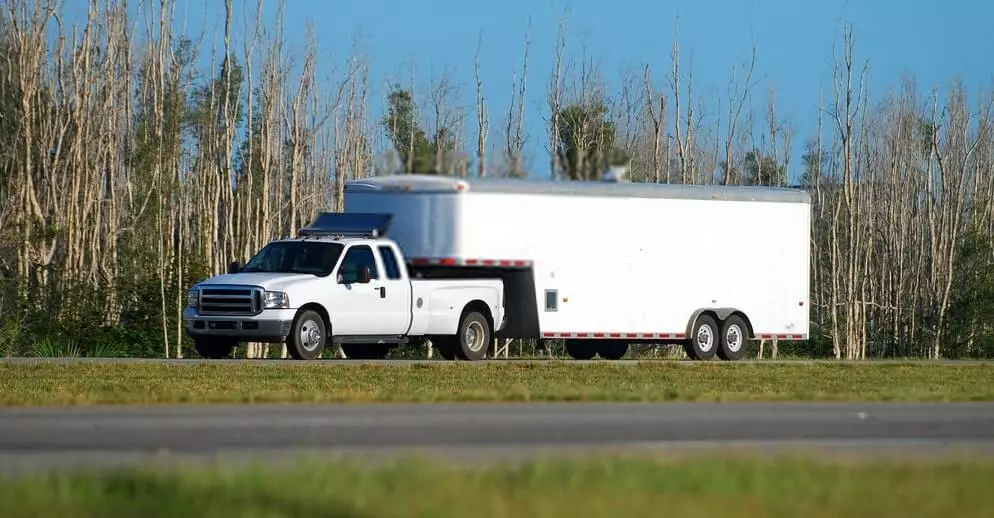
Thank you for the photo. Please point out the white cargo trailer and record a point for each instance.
(603, 265)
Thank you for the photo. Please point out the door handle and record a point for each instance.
(383, 292)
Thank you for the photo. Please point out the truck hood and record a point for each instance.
(268, 281)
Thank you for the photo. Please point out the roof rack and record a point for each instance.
(348, 224)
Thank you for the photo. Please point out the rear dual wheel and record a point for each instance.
(471, 341)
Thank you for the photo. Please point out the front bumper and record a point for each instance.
(272, 325)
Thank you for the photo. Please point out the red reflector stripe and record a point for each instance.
(652, 336)
(568, 334)
(473, 261)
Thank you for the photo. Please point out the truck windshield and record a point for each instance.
(296, 257)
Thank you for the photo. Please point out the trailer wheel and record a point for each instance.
(581, 349)
(704, 340)
(214, 348)
(473, 337)
(612, 350)
(734, 334)
(307, 336)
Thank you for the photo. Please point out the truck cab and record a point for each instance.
(339, 281)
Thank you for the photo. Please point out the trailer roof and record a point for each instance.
(423, 183)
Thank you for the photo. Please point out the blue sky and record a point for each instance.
(935, 41)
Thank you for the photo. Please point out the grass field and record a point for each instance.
(592, 487)
(263, 382)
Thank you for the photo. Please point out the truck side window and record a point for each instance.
(390, 262)
(356, 257)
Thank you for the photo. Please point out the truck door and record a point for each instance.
(357, 307)
(395, 297)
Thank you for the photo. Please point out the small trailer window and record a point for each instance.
(551, 299)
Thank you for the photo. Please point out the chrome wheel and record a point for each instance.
(733, 338)
(310, 335)
(472, 339)
(474, 336)
(705, 338)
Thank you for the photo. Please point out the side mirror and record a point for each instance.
(234, 267)
(365, 275)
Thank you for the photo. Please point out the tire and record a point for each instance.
(581, 349)
(704, 339)
(473, 337)
(365, 351)
(308, 336)
(214, 348)
(734, 336)
(612, 350)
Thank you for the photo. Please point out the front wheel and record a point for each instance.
(307, 336)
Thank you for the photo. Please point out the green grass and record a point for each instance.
(264, 382)
(592, 487)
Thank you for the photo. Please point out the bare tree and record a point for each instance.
(555, 99)
(515, 133)
(736, 101)
(657, 121)
(482, 119)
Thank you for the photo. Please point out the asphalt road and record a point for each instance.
(36, 438)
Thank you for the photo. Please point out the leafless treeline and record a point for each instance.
(136, 159)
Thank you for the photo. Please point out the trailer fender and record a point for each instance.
(721, 314)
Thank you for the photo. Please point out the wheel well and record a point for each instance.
(719, 314)
(483, 308)
(314, 306)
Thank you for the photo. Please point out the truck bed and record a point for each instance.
(437, 303)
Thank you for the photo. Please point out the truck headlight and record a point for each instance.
(193, 298)
(275, 300)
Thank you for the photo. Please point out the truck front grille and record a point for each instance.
(230, 301)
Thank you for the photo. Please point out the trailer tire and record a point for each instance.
(473, 337)
(214, 348)
(734, 334)
(704, 338)
(612, 350)
(307, 337)
(581, 349)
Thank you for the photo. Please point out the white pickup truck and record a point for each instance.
(341, 281)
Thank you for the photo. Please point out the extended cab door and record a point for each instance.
(379, 307)
(396, 293)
